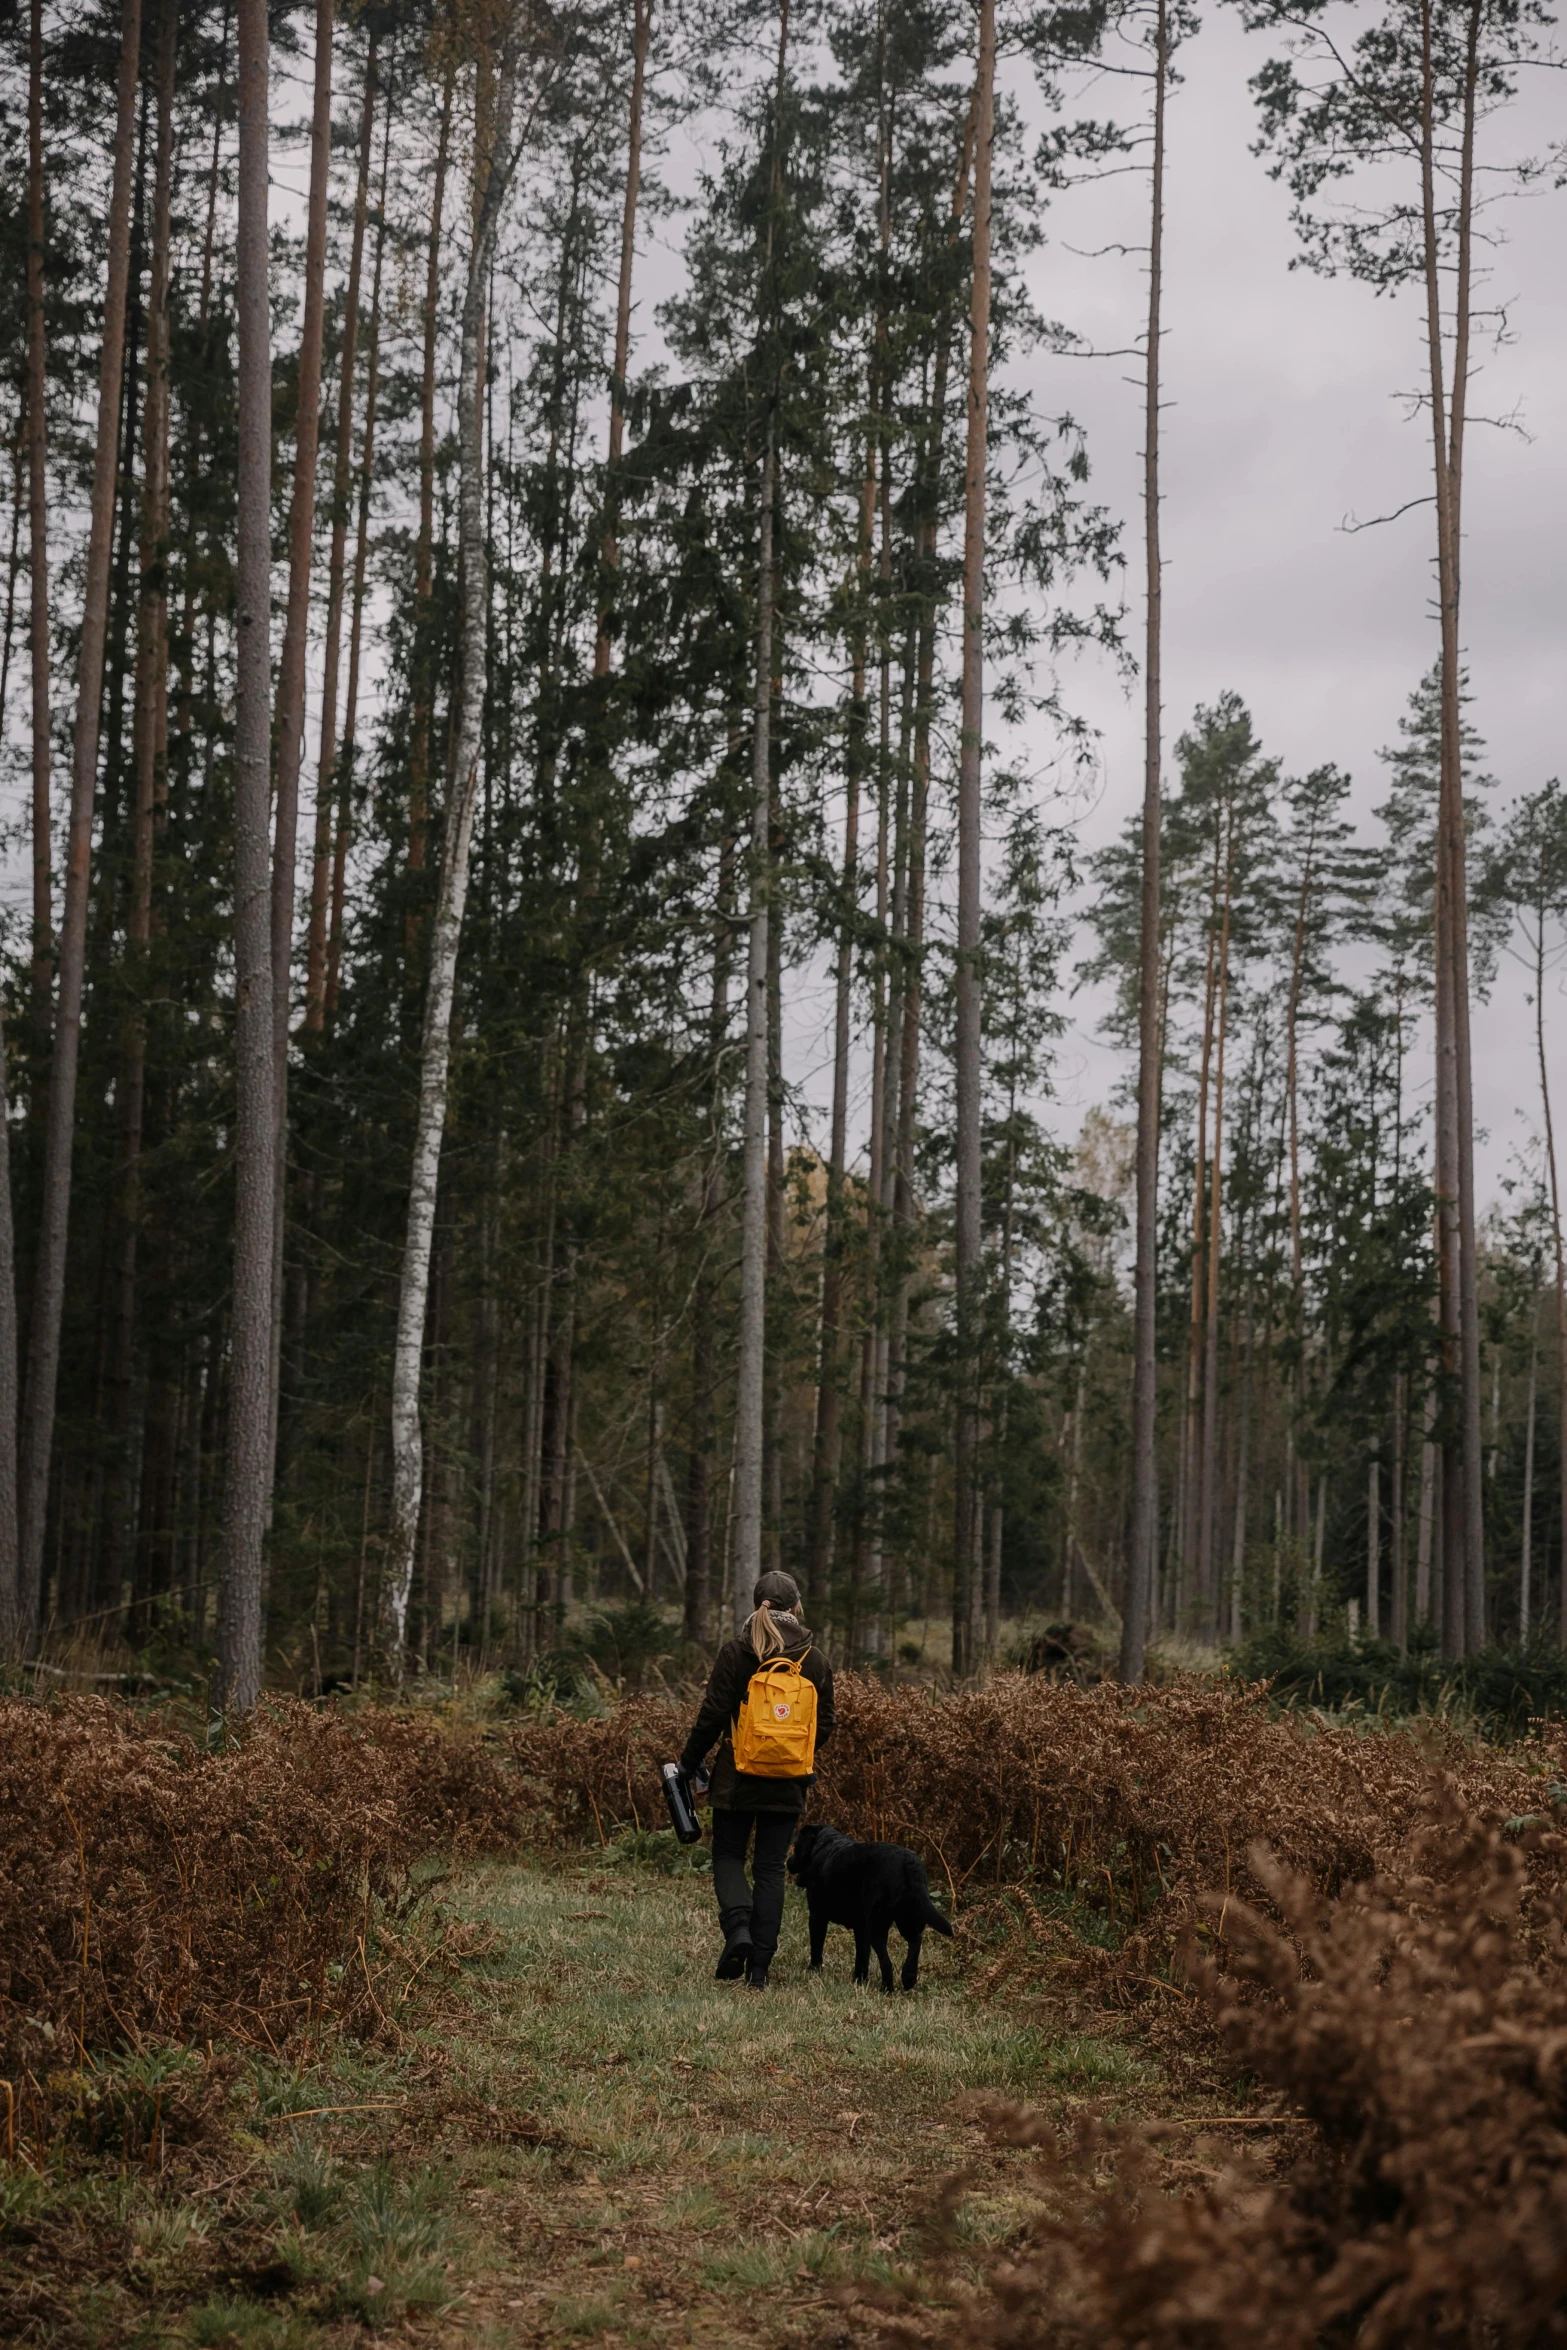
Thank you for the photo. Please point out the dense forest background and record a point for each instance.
(651, 677)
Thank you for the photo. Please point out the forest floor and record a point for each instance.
(580, 2137)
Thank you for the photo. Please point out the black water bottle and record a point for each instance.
(682, 1811)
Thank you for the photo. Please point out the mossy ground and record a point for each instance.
(583, 2139)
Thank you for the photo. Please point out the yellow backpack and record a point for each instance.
(775, 1729)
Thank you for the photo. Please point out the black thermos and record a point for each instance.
(682, 1811)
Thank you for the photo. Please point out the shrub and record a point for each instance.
(1417, 2023)
(153, 1890)
(1503, 1688)
(1135, 1800)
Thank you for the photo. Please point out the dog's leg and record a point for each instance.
(911, 1964)
(880, 1926)
(862, 1953)
(819, 1924)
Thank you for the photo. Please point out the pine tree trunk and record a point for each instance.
(751, 1376)
(326, 797)
(1207, 1577)
(1398, 1547)
(609, 550)
(1464, 1556)
(10, 1625)
(1425, 1532)
(1450, 1492)
(250, 1373)
(495, 160)
(1559, 1251)
(828, 1438)
(885, 1055)
(1374, 1548)
(969, 1042)
(1137, 1612)
(38, 540)
(1526, 1542)
(922, 716)
(1242, 1478)
(892, 1317)
(248, 1469)
(43, 1359)
(290, 719)
(150, 756)
(1190, 1495)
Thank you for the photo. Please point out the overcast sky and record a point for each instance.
(1284, 419)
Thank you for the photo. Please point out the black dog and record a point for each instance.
(868, 1888)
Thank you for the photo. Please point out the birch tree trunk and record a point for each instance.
(1137, 1612)
(326, 760)
(424, 544)
(38, 534)
(969, 1042)
(43, 1355)
(248, 1468)
(495, 161)
(14, 558)
(348, 747)
(1297, 1490)
(699, 1536)
(772, 1418)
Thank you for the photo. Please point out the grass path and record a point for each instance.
(585, 2139)
(719, 2155)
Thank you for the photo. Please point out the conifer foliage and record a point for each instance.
(533, 560)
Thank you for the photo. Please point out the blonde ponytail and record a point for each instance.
(766, 1638)
(773, 1590)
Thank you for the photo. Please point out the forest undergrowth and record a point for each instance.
(1253, 2028)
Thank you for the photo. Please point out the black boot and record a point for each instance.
(756, 1972)
(737, 1955)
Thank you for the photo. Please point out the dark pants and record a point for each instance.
(738, 1904)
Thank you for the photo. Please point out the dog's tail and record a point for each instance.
(917, 1888)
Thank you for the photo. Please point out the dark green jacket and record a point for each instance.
(733, 1666)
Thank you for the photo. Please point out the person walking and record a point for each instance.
(769, 1700)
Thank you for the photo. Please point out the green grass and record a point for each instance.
(585, 2139)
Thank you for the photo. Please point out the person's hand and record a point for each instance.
(698, 1784)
